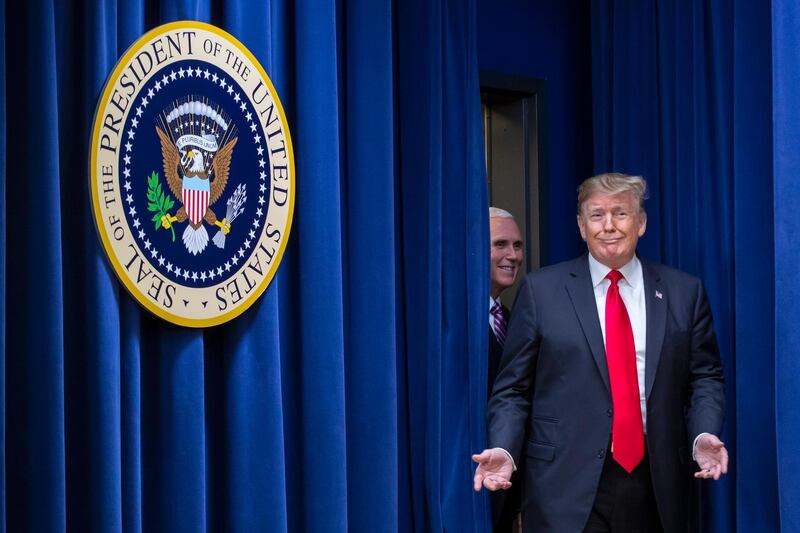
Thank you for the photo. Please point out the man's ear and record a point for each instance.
(581, 227)
(642, 223)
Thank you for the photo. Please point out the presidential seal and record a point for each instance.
(192, 174)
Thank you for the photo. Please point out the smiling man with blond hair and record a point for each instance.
(610, 385)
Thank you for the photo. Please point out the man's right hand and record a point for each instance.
(494, 470)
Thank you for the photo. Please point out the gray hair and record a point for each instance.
(496, 212)
(613, 183)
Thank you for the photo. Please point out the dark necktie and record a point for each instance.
(499, 323)
(627, 435)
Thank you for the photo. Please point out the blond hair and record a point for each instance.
(613, 183)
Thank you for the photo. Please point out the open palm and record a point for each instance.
(711, 457)
(494, 470)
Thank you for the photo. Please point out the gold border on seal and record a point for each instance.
(137, 294)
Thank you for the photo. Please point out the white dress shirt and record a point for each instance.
(631, 290)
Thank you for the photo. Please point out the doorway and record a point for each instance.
(514, 121)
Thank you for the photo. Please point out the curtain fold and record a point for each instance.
(464, 215)
(786, 163)
(370, 279)
(35, 436)
(419, 116)
(3, 259)
(350, 396)
(321, 394)
(757, 486)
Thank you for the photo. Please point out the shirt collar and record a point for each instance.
(492, 301)
(631, 271)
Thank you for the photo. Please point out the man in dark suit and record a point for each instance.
(505, 262)
(610, 382)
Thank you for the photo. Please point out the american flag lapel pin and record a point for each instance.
(659, 295)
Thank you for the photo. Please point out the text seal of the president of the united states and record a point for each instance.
(192, 174)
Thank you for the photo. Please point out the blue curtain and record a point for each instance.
(350, 397)
(786, 164)
(683, 94)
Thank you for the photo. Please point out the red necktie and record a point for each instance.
(627, 435)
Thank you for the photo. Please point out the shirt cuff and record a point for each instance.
(509, 456)
(694, 444)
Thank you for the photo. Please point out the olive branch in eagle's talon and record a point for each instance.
(160, 204)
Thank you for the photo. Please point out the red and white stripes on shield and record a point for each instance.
(196, 203)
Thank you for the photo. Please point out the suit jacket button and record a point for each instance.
(601, 453)
(610, 413)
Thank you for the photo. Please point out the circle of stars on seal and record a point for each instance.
(179, 272)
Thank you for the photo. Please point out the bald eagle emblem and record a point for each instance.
(197, 142)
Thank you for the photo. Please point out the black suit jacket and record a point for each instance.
(552, 405)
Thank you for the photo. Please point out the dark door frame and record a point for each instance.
(504, 88)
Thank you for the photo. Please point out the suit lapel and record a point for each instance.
(581, 293)
(655, 298)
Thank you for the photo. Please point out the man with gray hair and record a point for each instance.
(610, 382)
(505, 262)
(506, 256)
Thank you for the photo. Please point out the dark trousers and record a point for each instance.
(506, 505)
(624, 503)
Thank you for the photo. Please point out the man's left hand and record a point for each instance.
(711, 457)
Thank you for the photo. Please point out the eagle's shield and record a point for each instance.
(195, 194)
